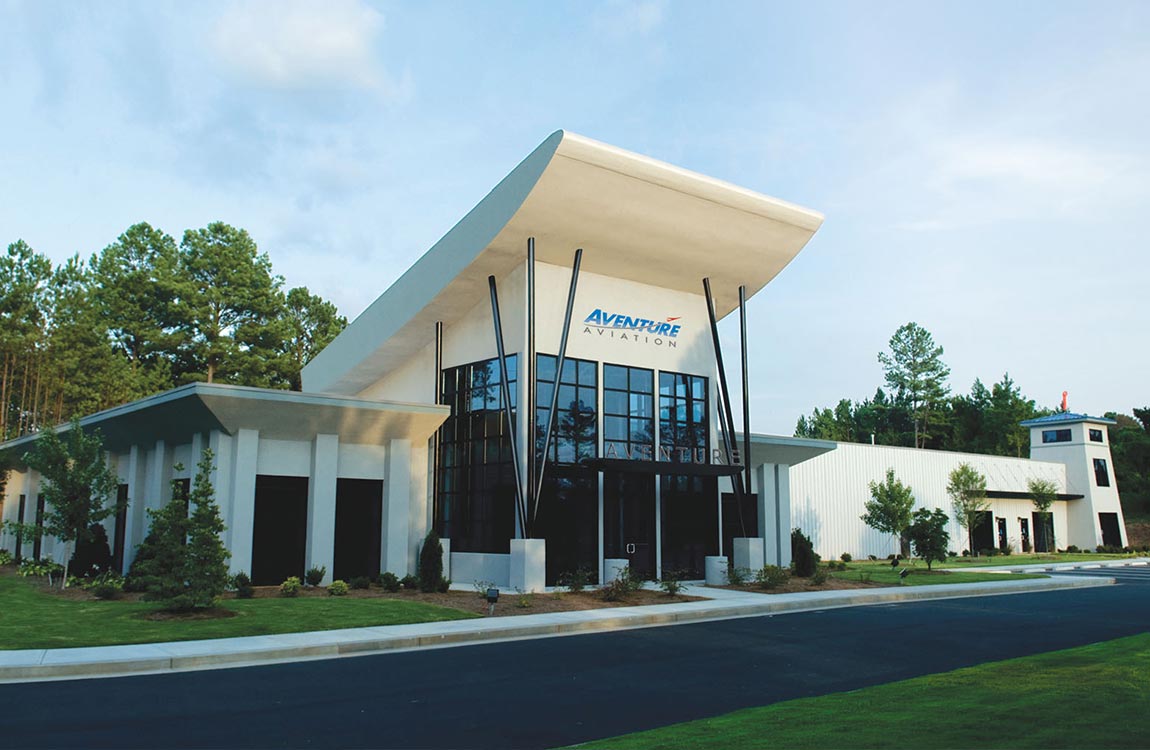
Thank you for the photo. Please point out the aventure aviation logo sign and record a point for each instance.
(623, 327)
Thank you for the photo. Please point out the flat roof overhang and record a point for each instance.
(175, 415)
(1012, 495)
(635, 218)
(790, 451)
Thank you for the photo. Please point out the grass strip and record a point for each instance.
(34, 619)
(1091, 696)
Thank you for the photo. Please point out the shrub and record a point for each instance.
(481, 588)
(1087, 551)
(575, 580)
(93, 556)
(409, 582)
(430, 563)
(522, 599)
(360, 582)
(107, 585)
(836, 565)
(314, 576)
(951, 553)
(672, 583)
(243, 585)
(966, 553)
(30, 567)
(771, 576)
(803, 554)
(820, 577)
(1073, 548)
(337, 588)
(444, 585)
(290, 587)
(872, 558)
(846, 557)
(615, 591)
(5, 557)
(389, 581)
(738, 576)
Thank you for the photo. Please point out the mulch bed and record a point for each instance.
(804, 585)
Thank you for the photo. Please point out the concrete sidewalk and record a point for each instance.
(1037, 567)
(109, 661)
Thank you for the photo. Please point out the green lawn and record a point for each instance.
(1093, 696)
(33, 619)
(1032, 559)
(919, 576)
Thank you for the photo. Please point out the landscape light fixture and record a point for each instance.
(492, 597)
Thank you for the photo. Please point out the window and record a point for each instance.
(1101, 476)
(683, 416)
(476, 503)
(1056, 436)
(628, 412)
(575, 432)
(1095, 436)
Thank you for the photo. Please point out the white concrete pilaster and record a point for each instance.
(397, 498)
(321, 488)
(243, 504)
(135, 520)
(222, 448)
(528, 565)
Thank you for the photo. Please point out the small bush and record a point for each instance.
(430, 563)
(951, 553)
(390, 581)
(243, 585)
(522, 599)
(575, 580)
(672, 583)
(872, 558)
(846, 557)
(290, 587)
(991, 552)
(1087, 552)
(5, 557)
(107, 585)
(314, 576)
(409, 582)
(836, 565)
(360, 582)
(966, 553)
(803, 555)
(738, 576)
(1073, 548)
(771, 576)
(615, 591)
(337, 588)
(820, 577)
(444, 585)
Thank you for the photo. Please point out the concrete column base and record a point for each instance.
(748, 552)
(529, 565)
(716, 570)
(613, 568)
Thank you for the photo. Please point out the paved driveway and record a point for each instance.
(550, 692)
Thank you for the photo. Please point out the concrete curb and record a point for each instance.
(1132, 562)
(112, 661)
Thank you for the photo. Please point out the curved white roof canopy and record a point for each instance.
(635, 218)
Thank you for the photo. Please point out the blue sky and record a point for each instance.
(984, 167)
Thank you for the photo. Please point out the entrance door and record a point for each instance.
(983, 532)
(1111, 535)
(1024, 530)
(1043, 531)
(1002, 533)
(629, 520)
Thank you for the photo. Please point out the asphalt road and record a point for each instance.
(558, 691)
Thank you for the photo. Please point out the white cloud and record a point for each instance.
(295, 44)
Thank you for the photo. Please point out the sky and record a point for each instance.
(984, 167)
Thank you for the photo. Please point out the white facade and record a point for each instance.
(828, 493)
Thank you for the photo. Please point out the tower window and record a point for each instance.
(1056, 436)
(1096, 436)
(1101, 476)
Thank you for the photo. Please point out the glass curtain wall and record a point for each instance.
(689, 511)
(476, 503)
(569, 503)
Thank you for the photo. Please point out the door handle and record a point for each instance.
(631, 548)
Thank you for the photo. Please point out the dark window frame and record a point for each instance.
(1096, 435)
(1101, 473)
(1056, 436)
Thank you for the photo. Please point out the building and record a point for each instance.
(1070, 450)
(432, 410)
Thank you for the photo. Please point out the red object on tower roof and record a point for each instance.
(1064, 406)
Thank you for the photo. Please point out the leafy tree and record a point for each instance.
(967, 490)
(1043, 493)
(915, 368)
(1130, 449)
(312, 323)
(889, 509)
(78, 484)
(186, 566)
(929, 536)
(137, 292)
(430, 563)
(227, 298)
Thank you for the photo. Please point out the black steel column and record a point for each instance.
(509, 417)
(746, 388)
(528, 370)
(726, 419)
(437, 438)
(558, 375)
